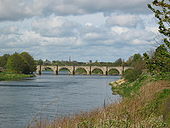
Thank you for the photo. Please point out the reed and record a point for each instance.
(142, 108)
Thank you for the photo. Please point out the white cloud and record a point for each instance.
(127, 20)
(54, 26)
(140, 42)
(119, 30)
(20, 9)
(56, 29)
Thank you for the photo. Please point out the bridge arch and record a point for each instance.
(85, 68)
(41, 68)
(65, 71)
(81, 71)
(119, 69)
(46, 68)
(97, 71)
(113, 71)
(69, 69)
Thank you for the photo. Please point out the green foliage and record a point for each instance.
(159, 106)
(129, 88)
(161, 10)
(133, 60)
(65, 70)
(132, 75)
(48, 69)
(81, 71)
(160, 62)
(166, 110)
(118, 62)
(30, 62)
(3, 60)
(39, 62)
(21, 63)
(113, 72)
(162, 76)
(12, 76)
(97, 72)
(16, 63)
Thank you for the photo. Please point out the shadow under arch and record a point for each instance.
(47, 70)
(97, 71)
(64, 71)
(113, 71)
(81, 71)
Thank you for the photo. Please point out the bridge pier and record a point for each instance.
(56, 71)
(73, 72)
(106, 73)
(90, 72)
(39, 70)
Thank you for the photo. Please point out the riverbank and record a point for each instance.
(7, 76)
(145, 104)
(117, 82)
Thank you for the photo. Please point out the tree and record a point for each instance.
(161, 9)
(161, 59)
(47, 62)
(138, 63)
(134, 60)
(118, 62)
(40, 62)
(159, 62)
(3, 60)
(16, 63)
(30, 61)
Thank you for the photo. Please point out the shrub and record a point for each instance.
(132, 75)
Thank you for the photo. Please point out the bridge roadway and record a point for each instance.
(88, 69)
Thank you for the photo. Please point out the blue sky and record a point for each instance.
(102, 30)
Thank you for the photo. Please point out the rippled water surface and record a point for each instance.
(48, 96)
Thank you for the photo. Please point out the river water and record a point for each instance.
(50, 96)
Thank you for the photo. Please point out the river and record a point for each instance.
(50, 96)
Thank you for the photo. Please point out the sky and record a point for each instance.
(84, 30)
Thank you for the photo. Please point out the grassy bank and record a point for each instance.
(145, 104)
(7, 76)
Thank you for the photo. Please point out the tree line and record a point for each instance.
(119, 62)
(18, 62)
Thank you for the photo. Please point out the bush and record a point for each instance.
(132, 75)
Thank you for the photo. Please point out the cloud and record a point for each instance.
(56, 29)
(20, 9)
(119, 30)
(126, 20)
(54, 26)
(61, 37)
(140, 42)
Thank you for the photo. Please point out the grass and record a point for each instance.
(129, 88)
(8, 76)
(145, 104)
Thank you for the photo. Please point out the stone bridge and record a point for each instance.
(89, 69)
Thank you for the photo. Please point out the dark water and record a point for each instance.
(48, 96)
